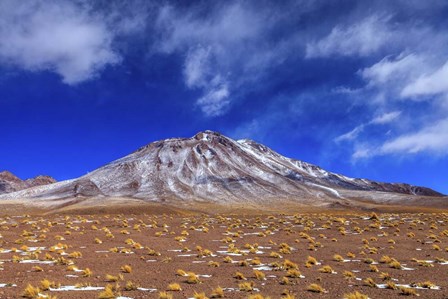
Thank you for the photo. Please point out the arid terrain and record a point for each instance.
(211, 217)
(154, 251)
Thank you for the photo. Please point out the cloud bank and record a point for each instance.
(56, 36)
(379, 70)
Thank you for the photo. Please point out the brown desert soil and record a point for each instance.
(156, 241)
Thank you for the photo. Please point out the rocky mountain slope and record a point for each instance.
(211, 167)
(11, 183)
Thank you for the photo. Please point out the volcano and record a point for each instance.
(210, 167)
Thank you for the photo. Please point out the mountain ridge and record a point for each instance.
(211, 167)
(11, 183)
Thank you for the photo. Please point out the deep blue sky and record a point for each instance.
(357, 87)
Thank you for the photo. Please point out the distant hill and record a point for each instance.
(11, 183)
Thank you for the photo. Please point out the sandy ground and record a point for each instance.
(156, 241)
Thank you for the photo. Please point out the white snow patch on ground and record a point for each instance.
(3, 285)
(74, 288)
(326, 188)
(35, 262)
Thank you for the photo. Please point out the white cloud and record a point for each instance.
(198, 73)
(215, 101)
(229, 44)
(56, 36)
(362, 39)
(361, 152)
(433, 138)
(431, 84)
(197, 67)
(394, 71)
(418, 73)
(353, 134)
(382, 119)
(228, 25)
(385, 118)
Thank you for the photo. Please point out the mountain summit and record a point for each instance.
(211, 167)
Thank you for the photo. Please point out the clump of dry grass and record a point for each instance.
(108, 293)
(373, 268)
(351, 255)
(355, 295)
(391, 285)
(426, 285)
(37, 269)
(285, 281)
(311, 261)
(315, 288)
(370, 282)
(213, 264)
(408, 291)
(228, 260)
(31, 292)
(349, 275)
(338, 258)
(239, 276)
(131, 286)
(287, 264)
(126, 269)
(395, 264)
(86, 273)
(326, 269)
(46, 284)
(175, 287)
(246, 286)
(217, 293)
(192, 278)
(165, 295)
(259, 275)
(199, 295)
(113, 278)
(385, 259)
(293, 273)
(385, 276)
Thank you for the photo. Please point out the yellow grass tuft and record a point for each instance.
(131, 286)
(217, 293)
(259, 275)
(246, 286)
(31, 292)
(192, 278)
(326, 269)
(126, 269)
(86, 272)
(165, 295)
(369, 282)
(108, 293)
(199, 295)
(355, 295)
(175, 287)
(408, 291)
(315, 288)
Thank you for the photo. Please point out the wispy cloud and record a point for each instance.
(352, 135)
(361, 38)
(433, 138)
(412, 66)
(428, 84)
(215, 101)
(382, 119)
(385, 118)
(56, 36)
(225, 48)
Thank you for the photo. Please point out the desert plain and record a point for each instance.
(161, 251)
